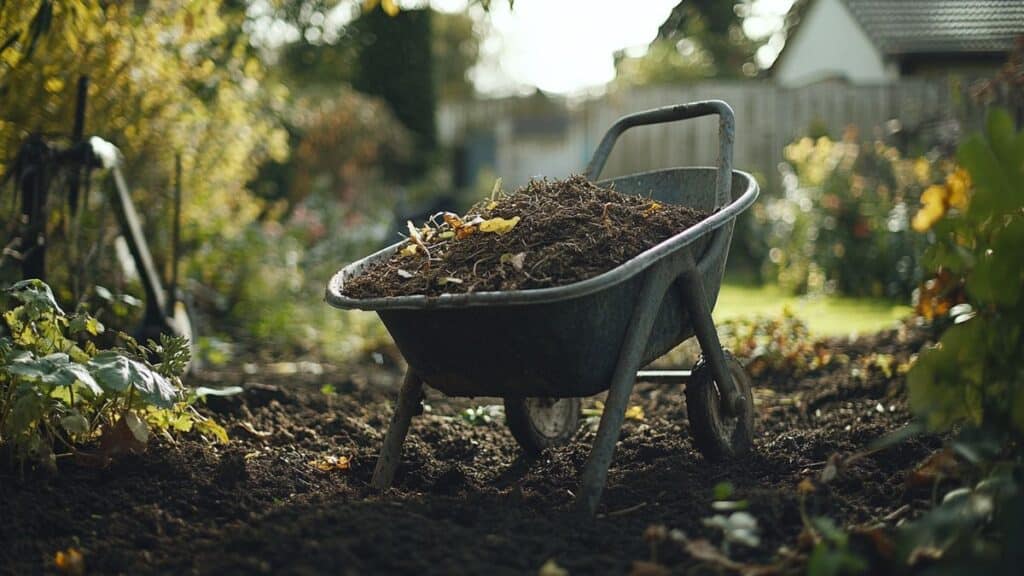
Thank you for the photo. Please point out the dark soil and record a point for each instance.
(568, 230)
(465, 500)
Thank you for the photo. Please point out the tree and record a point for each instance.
(456, 48)
(165, 79)
(396, 63)
(699, 39)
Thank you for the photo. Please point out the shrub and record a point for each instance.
(973, 379)
(842, 223)
(58, 390)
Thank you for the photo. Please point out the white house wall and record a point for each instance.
(829, 43)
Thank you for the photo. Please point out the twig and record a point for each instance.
(625, 511)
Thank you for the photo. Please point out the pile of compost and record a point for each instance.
(548, 233)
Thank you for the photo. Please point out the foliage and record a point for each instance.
(832, 555)
(342, 146)
(164, 78)
(973, 379)
(264, 289)
(842, 224)
(701, 39)
(780, 344)
(664, 62)
(456, 48)
(396, 63)
(974, 376)
(59, 390)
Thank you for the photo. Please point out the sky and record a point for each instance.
(568, 46)
(560, 46)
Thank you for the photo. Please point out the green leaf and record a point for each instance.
(36, 294)
(208, 427)
(723, 491)
(993, 193)
(28, 409)
(85, 323)
(116, 373)
(75, 423)
(54, 370)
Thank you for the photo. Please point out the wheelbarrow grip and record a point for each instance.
(726, 134)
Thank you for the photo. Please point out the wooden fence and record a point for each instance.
(767, 118)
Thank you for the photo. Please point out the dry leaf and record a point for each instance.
(331, 463)
(941, 464)
(805, 486)
(516, 260)
(449, 280)
(70, 561)
(409, 250)
(551, 568)
(405, 273)
(121, 438)
(453, 220)
(654, 207)
(645, 568)
(635, 413)
(499, 225)
(446, 235)
(492, 205)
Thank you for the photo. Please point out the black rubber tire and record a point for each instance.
(537, 427)
(716, 436)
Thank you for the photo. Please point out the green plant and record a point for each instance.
(973, 379)
(780, 344)
(842, 222)
(59, 391)
(975, 375)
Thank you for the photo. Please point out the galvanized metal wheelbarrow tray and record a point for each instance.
(590, 336)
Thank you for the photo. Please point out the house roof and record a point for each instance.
(940, 26)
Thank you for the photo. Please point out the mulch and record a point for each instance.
(564, 231)
(466, 500)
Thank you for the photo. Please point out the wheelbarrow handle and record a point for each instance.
(726, 134)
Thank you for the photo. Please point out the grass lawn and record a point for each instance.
(824, 315)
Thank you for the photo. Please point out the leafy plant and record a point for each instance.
(482, 415)
(973, 379)
(975, 376)
(842, 222)
(59, 391)
(778, 345)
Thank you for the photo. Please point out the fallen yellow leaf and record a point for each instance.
(70, 561)
(499, 225)
(654, 207)
(409, 250)
(635, 413)
(551, 568)
(330, 463)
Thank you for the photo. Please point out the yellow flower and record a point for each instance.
(934, 200)
(959, 182)
(390, 7)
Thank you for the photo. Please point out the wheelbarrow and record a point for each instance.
(542, 350)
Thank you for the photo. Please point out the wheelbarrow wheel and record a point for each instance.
(717, 435)
(540, 423)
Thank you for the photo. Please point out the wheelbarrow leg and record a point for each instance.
(710, 346)
(595, 474)
(409, 404)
